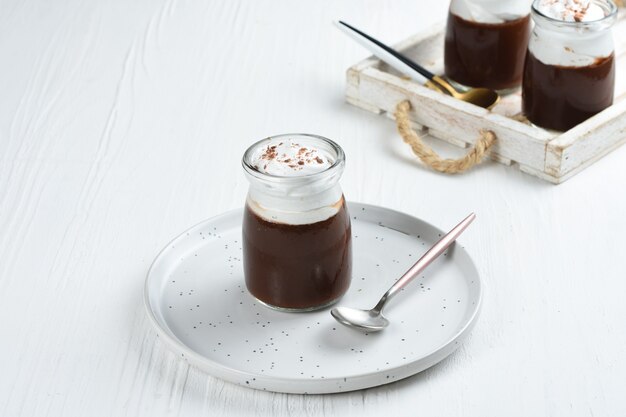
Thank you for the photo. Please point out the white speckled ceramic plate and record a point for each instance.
(196, 298)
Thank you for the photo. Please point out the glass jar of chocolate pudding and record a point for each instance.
(297, 244)
(569, 74)
(486, 42)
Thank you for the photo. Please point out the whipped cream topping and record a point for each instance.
(571, 10)
(288, 158)
(490, 11)
(301, 186)
(570, 46)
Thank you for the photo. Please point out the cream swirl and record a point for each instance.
(575, 43)
(287, 158)
(571, 10)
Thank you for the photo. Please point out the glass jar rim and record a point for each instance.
(250, 169)
(607, 19)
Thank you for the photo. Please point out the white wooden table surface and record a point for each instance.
(122, 123)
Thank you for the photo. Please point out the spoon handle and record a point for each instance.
(392, 57)
(432, 254)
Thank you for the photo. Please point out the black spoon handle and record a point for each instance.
(423, 71)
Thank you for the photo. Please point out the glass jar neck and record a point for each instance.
(296, 188)
(304, 210)
(490, 11)
(582, 29)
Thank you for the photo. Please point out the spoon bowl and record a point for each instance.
(482, 97)
(368, 320)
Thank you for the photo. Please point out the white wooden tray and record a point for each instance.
(552, 156)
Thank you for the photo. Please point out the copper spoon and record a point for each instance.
(373, 320)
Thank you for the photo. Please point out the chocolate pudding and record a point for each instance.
(297, 247)
(560, 97)
(569, 74)
(487, 55)
(297, 266)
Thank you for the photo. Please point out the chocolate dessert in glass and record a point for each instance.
(486, 42)
(297, 244)
(569, 74)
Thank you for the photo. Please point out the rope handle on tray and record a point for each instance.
(429, 157)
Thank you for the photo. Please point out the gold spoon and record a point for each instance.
(482, 97)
